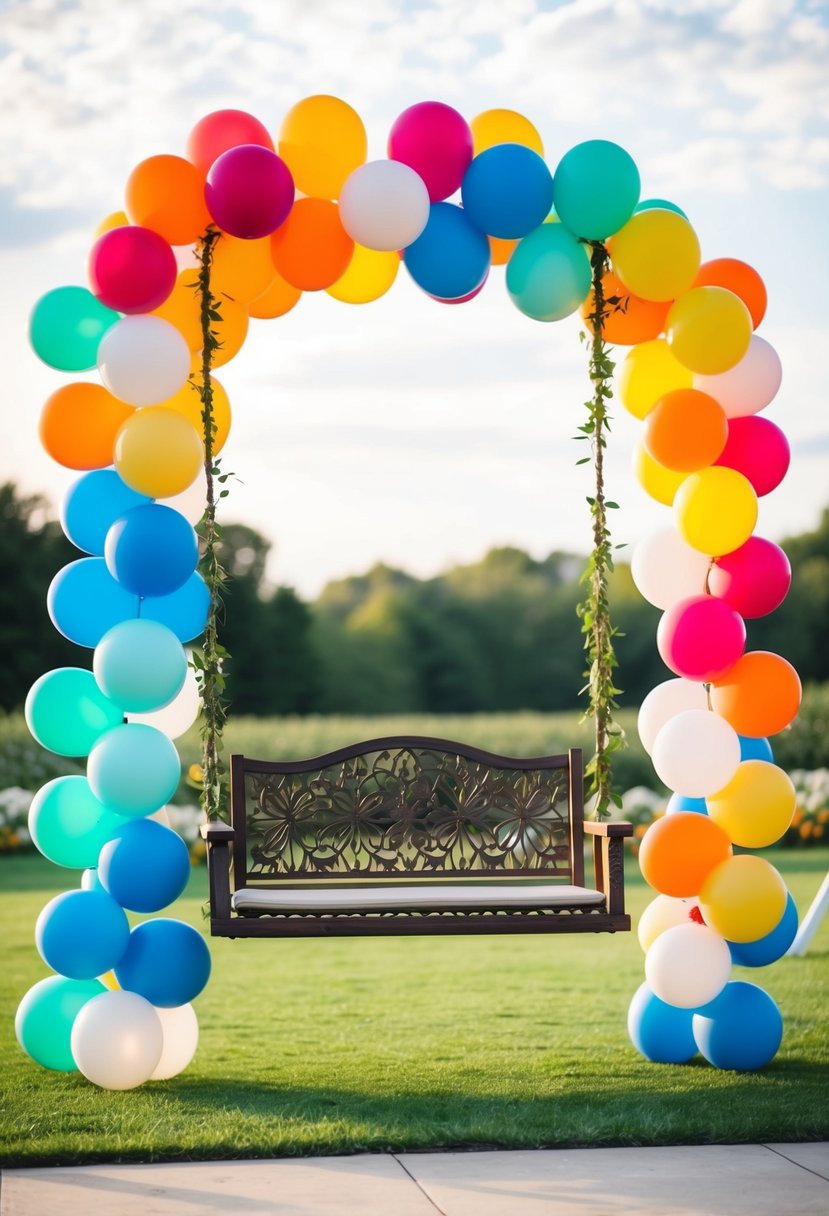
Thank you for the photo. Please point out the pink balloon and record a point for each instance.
(700, 638)
(754, 579)
(435, 141)
(221, 130)
(249, 191)
(132, 269)
(759, 450)
(749, 386)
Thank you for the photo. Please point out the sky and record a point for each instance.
(404, 431)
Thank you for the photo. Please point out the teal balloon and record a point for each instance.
(140, 664)
(548, 275)
(659, 204)
(67, 713)
(82, 934)
(45, 1017)
(134, 769)
(595, 189)
(66, 327)
(68, 824)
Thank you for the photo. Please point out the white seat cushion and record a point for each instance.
(415, 897)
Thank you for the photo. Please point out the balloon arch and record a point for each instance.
(240, 229)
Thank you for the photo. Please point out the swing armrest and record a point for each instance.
(219, 838)
(608, 860)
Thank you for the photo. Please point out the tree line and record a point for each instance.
(495, 635)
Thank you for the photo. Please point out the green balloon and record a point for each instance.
(68, 824)
(67, 325)
(45, 1017)
(659, 204)
(67, 712)
(548, 275)
(595, 189)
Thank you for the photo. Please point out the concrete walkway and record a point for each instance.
(714, 1180)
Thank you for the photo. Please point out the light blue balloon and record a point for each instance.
(167, 962)
(660, 1032)
(595, 189)
(548, 275)
(45, 1017)
(660, 204)
(84, 601)
(741, 1029)
(66, 712)
(68, 824)
(145, 866)
(82, 934)
(507, 191)
(768, 949)
(92, 504)
(90, 880)
(451, 256)
(755, 749)
(681, 802)
(134, 769)
(185, 611)
(140, 664)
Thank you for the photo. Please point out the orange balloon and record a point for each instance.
(187, 402)
(738, 277)
(182, 308)
(241, 269)
(79, 423)
(166, 193)
(628, 319)
(500, 250)
(279, 298)
(679, 851)
(687, 430)
(759, 695)
(231, 331)
(311, 250)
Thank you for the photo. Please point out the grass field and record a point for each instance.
(413, 1043)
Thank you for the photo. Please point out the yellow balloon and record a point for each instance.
(757, 805)
(656, 254)
(661, 914)
(655, 479)
(709, 330)
(158, 452)
(241, 269)
(279, 298)
(187, 402)
(109, 981)
(116, 219)
(322, 141)
(370, 274)
(648, 372)
(743, 898)
(716, 510)
(504, 127)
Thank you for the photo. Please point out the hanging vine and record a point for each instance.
(594, 611)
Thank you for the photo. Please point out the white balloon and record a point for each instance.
(179, 715)
(117, 1040)
(143, 360)
(750, 385)
(696, 753)
(190, 502)
(665, 702)
(180, 1028)
(384, 205)
(661, 914)
(666, 569)
(687, 965)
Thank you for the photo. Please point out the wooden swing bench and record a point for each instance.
(411, 835)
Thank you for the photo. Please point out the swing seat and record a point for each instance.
(411, 835)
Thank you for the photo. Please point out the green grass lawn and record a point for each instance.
(413, 1043)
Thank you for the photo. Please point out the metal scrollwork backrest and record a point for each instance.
(408, 810)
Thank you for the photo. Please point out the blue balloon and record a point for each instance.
(84, 601)
(145, 866)
(134, 769)
(141, 665)
(82, 934)
(151, 550)
(92, 504)
(507, 191)
(660, 1032)
(741, 1029)
(773, 946)
(166, 962)
(548, 275)
(681, 802)
(755, 749)
(185, 611)
(451, 256)
(659, 204)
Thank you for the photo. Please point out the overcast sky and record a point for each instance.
(406, 431)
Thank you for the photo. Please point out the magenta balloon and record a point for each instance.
(754, 579)
(700, 638)
(249, 191)
(132, 269)
(435, 141)
(759, 450)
